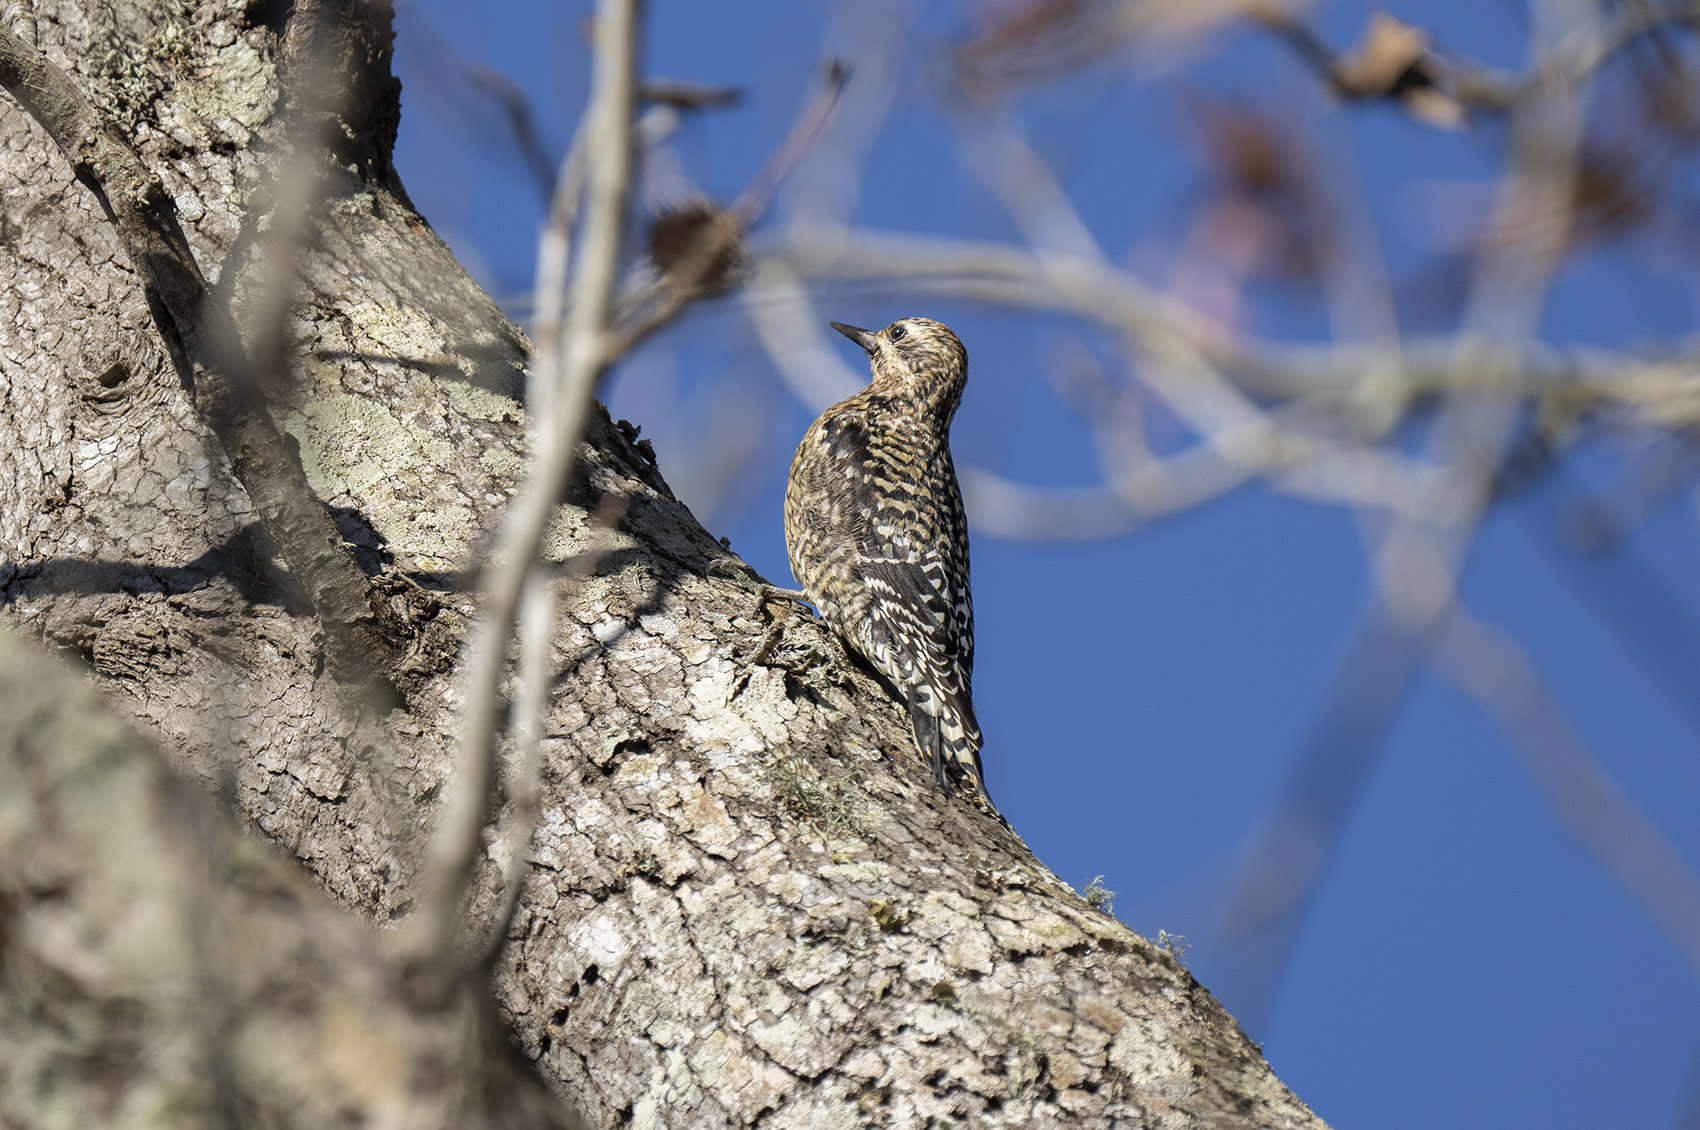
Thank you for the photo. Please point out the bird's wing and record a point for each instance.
(917, 600)
(910, 559)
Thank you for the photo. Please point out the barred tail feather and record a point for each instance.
(967, 760)
(930, 740)
(951, 745)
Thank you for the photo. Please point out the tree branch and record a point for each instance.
(206, 347)
(1494, 670)
(585, 355)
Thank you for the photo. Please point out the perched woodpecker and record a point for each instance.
(877, 537)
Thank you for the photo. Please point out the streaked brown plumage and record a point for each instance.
(877, 536)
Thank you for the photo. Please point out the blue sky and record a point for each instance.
(1464, 962)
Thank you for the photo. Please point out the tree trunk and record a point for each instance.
(745, 900)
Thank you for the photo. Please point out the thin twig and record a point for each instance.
(204, 345)
(516, 108)
(543, 595)
(1493, 669)
(608, 159)
(645, 312)
(688, 95)
(554, 253)
(1282, 866)
(1591, 544)
(536, 636)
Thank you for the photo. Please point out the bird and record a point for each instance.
(878, 540)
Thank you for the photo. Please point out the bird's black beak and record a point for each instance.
(862, 337)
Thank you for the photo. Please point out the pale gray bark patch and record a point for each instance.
(159, 967)
(746, 903)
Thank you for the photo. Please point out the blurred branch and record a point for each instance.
(1393, 60)
(1000, 506)
(584, 355)
(1687, 1116)
(1376, 382)
(159, 958)
(1589, 537)
(1039, 39)
(535, 628)
(714, 241)
(1579, 56)
(688, 95)
(1283, 864)
(1238, 437)
(1494, 670)
(522, 123)
(783, 316)
(1417, 561)
(206, 348)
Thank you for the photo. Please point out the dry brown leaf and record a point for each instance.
(1393, 61)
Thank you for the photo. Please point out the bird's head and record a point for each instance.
(915, 357)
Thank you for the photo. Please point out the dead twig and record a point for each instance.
(204, 345)
(720, 233)
(584, 356)
(1495, 671)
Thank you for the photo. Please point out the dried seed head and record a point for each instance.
(696, 244)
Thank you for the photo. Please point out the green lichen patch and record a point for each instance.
(238, 88)
(353, 446)
(830, 799)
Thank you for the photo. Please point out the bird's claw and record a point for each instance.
(734, 569)
(729, 567)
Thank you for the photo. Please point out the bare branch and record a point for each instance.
(647, 311)
(1396, 62)
(536, 631)
(688, 95)
(516, 108)
(205, 346)
(1282, 864)
(608, 149)
(1493, 669)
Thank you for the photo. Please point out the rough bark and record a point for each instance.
(746, 902)
(158, 967)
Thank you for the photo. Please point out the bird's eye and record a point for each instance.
(897, 332)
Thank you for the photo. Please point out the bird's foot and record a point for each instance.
(775, 593)
(733, 569)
